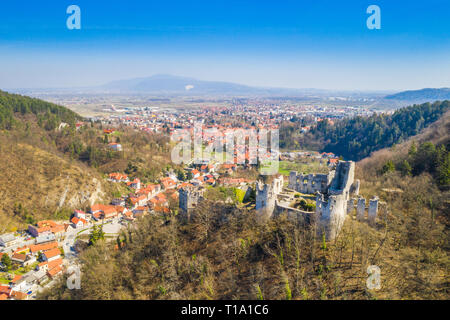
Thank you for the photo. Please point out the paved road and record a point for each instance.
(111, 227)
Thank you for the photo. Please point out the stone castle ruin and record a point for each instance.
(310, 183)
(336, 196)
(188, 198)
(266, 195)
(333, 192)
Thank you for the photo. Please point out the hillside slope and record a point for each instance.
(38, 181)
(36, 184)
(422, 95)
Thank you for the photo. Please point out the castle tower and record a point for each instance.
(333, 216)
(265, 199)
(188, 199)
(278, 183)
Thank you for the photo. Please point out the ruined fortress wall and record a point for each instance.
(360, 208)
(292, 184)
(310, 183)
(332, 214)
(333, 201)
(373, 209)
(355, 187)
(343, 179)
(296, 215)
(278, 184)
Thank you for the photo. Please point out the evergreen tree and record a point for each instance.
(388, 167)
(405, 168)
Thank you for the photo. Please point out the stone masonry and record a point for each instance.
(333, 198)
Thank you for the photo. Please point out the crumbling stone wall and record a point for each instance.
(266, 195)
(310, 183)
(333, 199)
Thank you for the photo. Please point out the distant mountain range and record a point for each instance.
(164, 84)
(423, 95)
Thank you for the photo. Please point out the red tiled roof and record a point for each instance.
(75, 220)
(54, 271)
(184, 185)
(120, 209)
(16, 278)
(43, 247)
(23, 249)
(48, 225)
(19, 256)
(55, 263)
(18, 295)
(135, 181)
(52, 253)
(109, 210)
(118, 176)
(167, 182)
(5, 290)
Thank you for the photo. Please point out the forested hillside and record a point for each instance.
(426, 154)
(427, 94)
(357, 137)
(51, 166)
(49, 115)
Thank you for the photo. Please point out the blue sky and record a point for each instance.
(297, 44)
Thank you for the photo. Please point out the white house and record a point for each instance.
(78, 222)
(80, 214)
(135, 184)
(22, 285)
(7, 240)
(45, 237)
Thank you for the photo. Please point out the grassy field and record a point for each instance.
(3, 278)
(285, 167)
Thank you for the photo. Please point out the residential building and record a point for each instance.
(7, 240)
